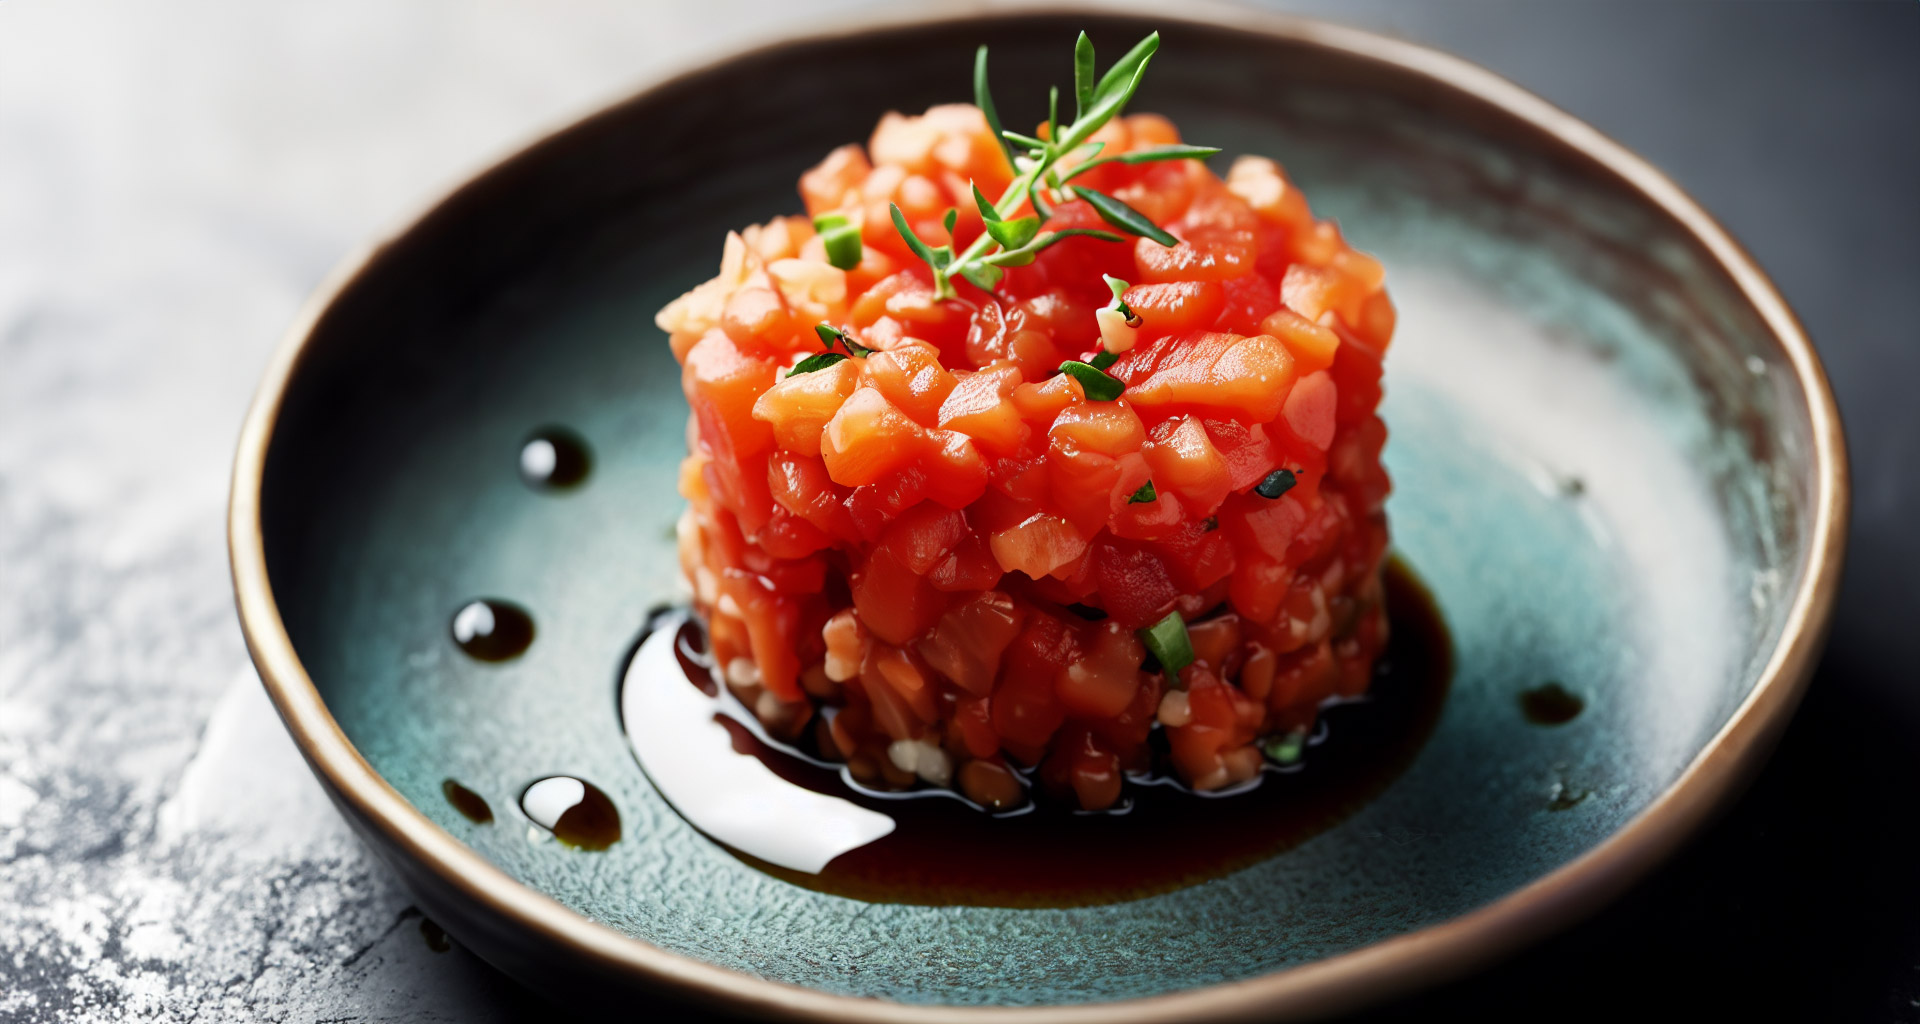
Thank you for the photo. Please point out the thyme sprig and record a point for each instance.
(1013, 241)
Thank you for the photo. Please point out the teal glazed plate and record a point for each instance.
(1616, 462)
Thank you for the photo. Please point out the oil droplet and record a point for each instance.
(435, 935)
(492, 630)
(554, 458)
(471, 805)
(1551, 704)
(574, 810)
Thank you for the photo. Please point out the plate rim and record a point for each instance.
(1342, 982)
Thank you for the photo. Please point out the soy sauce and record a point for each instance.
(471, 805)
(944, 852)
(492, 630)
(574, 810)
(554, 458)
(1551, 704)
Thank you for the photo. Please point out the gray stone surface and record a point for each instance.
(175, 177)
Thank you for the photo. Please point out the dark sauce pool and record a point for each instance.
(946, 852)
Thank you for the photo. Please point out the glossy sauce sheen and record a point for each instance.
(471, 805)
(554, 458)
(574, 810)
(492, 630)
(946, 853)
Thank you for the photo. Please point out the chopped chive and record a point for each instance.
(1285, 749)
(1145, 494)
(1167, 641)
(842, 239)
(817, 361)
(1099, 386)
(1278, 482)
(1124, 217)
(1103, 360)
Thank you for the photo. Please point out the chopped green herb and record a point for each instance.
(1285, 749)
(983, 98)
(1278, 482)
(1145, 494)
(1141, 156)
(1083, 82)
(1098, 385)
(1037, 170)
(1119, 288)
(1124, 217)
(1104, 360)
(817, 361)
(1167, 641)
(830, 334)
(842, 239)
(984, 276)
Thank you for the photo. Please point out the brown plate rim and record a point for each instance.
(1337, 983)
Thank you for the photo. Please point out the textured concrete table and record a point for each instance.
(175, 177)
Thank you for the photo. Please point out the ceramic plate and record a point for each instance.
(1616, 464)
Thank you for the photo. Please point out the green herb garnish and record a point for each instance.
(1119, 288)
(817, 361)
(1099, 386)
(830, 334)
(1285, 749)
(1015, 242)
(1124, 217)
(1145, 494)
(842, 239)
(1141, 156)
(1168, 642)
(1104, 359)
(1278, 482)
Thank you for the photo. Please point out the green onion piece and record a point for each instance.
(1145, 494)
(1167, 640)
(817, 361)
(1099, 386)
(1124, 217)
(1278, 482)
(1103, 360)
(842, 240)
(1285, 749)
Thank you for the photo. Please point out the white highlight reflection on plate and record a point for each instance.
(730, 796)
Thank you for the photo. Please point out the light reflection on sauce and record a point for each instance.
(932, 847)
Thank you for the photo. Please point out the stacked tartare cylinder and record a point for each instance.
(941, 562)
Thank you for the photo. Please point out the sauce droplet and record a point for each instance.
(471, 805)
(435, 935)
(574, 810)
(554, 458)
(492, 630)
(1551, 704)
